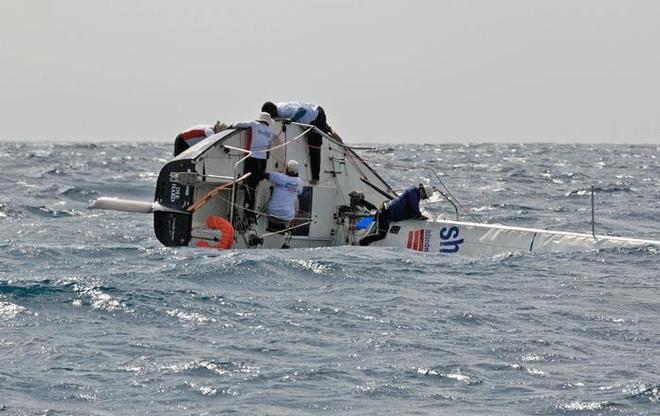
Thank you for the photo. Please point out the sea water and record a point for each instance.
(96, 317)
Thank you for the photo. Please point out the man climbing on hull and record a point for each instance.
(403, 207)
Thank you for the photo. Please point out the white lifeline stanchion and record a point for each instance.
(249, 153)
(233, 188)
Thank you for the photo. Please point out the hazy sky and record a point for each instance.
(385, 71)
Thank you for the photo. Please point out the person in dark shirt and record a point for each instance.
(403, 207)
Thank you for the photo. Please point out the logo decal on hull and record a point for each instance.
(419, 240)
(175, 192)
(449, 241)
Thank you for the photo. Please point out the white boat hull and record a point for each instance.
(204, 182)
(477, 240)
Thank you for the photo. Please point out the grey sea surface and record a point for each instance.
(96, 317)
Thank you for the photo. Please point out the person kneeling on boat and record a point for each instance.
(305, 113)
(196, 134)
(403, 207)
(261, 138)
(286, 188)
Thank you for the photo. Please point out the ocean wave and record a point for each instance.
(212, 367)
(96, 313)
(608, 189)
(79, 194)
(9, 311)
(48, 212)
(584, 405)
(452, 374)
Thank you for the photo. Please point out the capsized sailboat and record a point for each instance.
(199, 203)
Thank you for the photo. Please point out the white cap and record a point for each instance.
(428, 190)
(265, 117)
(292, 167)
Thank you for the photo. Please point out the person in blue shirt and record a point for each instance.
(403, 207)
(287, 187)
(260, 138)
(305, 113)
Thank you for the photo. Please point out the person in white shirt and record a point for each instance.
(196, 134)
(260, 139)
(305, 113)
(286, 188)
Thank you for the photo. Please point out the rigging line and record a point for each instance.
(286, 143)
(452, 195)
(256, 212)
(202, 201)
(372, 171)
(286, 229)
(356, 165)
(465, 210)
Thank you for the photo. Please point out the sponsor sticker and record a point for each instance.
(449, 239)
(419, 240)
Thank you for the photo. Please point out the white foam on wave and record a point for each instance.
(9, 311)
(203, 390)
(99, 299)
(230, 370)
(194, 317)
(310, 265)
(578, 406)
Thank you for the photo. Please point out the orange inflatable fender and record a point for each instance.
(225, 228)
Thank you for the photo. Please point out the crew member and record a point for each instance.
(196, 134)
(305, 113)
(260, 140)
(286, 188)
(403, 207)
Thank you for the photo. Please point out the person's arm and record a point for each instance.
(275, 178)
(416, 212)
(368, 205)
(412, 199)
(208, 131)
(244, 124)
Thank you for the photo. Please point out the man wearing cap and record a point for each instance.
(260, 138)
(196, 134)
(305, 113)
(286, 188)
(403, 207)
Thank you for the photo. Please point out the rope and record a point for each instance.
(465, 210)
(259, 213)
(286, 229)
(286, 143)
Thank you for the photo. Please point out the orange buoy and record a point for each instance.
(226, 230)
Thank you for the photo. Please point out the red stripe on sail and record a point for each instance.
(420, 242)
(410, 239)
